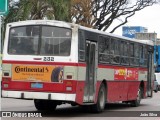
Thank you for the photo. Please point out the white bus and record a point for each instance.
(54, 62)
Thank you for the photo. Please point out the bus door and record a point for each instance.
(150, 74)
(91, 69)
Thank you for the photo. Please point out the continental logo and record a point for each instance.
(19, 69)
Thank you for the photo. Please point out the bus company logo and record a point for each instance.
(6, 114)
(20, 114)
(19, 69)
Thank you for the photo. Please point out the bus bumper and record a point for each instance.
(39, 95)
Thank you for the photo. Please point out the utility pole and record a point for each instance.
(3, 11)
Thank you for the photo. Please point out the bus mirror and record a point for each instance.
(150, 48)
(155, 65)
(157, 56)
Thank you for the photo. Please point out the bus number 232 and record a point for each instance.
(48, 59)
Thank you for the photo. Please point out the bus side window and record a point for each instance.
(145, 56)
(103, 44)
(81, 49)
(124, 53)
(141, 55)
(131, 53)
(117, 52)
(112, 48)
(136, 52)
(114, 51)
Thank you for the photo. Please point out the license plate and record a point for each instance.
(36, 85)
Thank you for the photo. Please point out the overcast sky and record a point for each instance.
(148, 17)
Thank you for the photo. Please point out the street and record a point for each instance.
(148, 110)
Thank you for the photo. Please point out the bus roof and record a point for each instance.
(68, 25)
(148, 42)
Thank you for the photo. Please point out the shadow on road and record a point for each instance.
(83, 111)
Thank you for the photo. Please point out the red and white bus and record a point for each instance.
(54, 62)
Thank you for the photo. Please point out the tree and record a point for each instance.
(82, 12)
(61, 9)
(11, 16)
(38, 9)
(100, 14)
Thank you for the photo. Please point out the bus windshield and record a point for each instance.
(39, 40)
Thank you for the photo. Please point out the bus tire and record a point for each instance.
(55, 74)
(136, 103)
(101, 101)
(45, 104)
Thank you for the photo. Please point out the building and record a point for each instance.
(146, 36)
(141, 33)
(129, 31)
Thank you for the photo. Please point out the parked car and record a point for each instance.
(157, 82)
(156, 86)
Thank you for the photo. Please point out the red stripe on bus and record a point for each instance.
(121, 66)
(47, 87)
(41, 63)
(70, 64)
(116, 90)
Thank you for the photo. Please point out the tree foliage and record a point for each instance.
(38, 9)
(101, 14)
(98, 14)
(82, 12)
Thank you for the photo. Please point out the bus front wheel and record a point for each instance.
(45, 104)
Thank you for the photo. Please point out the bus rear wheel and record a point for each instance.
(45, 104)
(100, 105)
(136, 103)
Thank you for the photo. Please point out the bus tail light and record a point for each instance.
(69, 76)
(68, 86)
(6, 74)
(6, 79)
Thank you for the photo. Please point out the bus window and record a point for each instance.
(143, 56)
(136, 52)
(103, 50)
(115, 51)
(124, 53)
(131, 53)
(55, 41)
(81, 46)
(23, 41)
(112, 48)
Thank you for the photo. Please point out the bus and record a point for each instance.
(157, 56)
(55, 62)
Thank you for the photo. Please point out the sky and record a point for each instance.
(149, 17)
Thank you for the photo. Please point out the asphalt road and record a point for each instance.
(148, 110)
